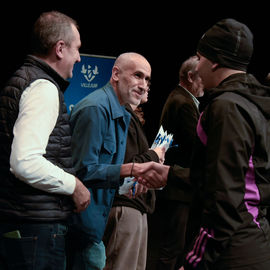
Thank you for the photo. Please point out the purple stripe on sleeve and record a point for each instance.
(252, 195)
(203, 246)
(198, 241)
(200, 132)
(196, 255)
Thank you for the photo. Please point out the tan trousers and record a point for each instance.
(125, 239)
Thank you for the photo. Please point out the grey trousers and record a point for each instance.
(125, 239)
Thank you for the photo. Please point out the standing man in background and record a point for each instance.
(38, 190)
(179, 117)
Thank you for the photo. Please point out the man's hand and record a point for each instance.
(136, 190)
(151, 174)
(80, 196)
(160, 151)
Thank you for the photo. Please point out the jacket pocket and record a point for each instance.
(109, 147)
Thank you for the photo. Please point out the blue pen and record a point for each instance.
(175, 145)
(134, 188)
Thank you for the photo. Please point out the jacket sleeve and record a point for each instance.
(229, 143)
(148, 155)
(137, 153)
(137, 148)
(179, 177)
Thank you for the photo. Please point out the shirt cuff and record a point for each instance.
(69, 184)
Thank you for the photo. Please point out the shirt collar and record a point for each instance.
(196, 101)
(117, 109)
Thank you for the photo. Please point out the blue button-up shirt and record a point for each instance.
(99, 131)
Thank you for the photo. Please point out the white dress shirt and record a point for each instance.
(196, 101)
(38, 113)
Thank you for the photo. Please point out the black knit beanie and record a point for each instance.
(229, 43)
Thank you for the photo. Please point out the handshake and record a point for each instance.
(150, 174)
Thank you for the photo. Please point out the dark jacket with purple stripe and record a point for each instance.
(231, 177)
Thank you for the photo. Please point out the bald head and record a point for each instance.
(130, 78)
(124, 60)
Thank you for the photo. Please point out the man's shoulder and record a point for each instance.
(180, 97)
(95, 98)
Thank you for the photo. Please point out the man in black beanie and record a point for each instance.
(229, 43)
(231, 166)
(231, 162)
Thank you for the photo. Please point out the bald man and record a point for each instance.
(99, 124)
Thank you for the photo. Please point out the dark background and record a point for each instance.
(165, 33)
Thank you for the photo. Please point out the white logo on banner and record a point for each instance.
(89, 74)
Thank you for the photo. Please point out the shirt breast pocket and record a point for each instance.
(109, 149)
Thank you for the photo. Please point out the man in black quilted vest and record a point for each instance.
(38, 189)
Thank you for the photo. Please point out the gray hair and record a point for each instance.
(49, 28)
(188, 65)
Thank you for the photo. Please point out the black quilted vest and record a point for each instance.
(19, 201)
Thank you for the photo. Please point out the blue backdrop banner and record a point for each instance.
(93, 72)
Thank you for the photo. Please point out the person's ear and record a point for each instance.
(215, 66)
(115, 73)
(190, 76)
(59, 48)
